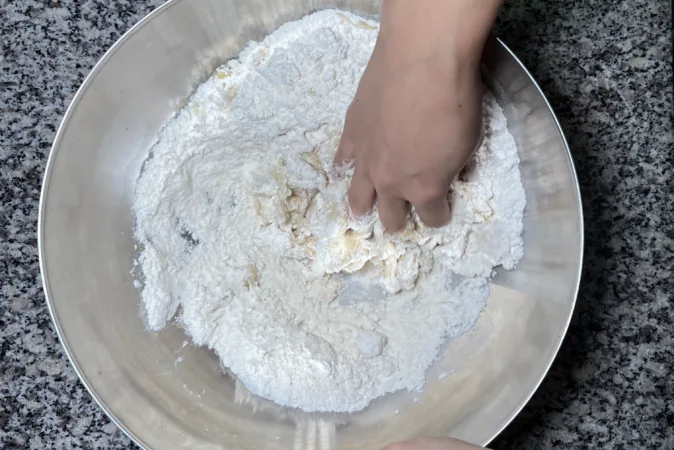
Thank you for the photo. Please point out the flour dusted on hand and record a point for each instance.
(244, 229)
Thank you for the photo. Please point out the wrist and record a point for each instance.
(443, 30)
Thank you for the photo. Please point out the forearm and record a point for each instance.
(425, 28)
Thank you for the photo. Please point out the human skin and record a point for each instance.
(416, 117)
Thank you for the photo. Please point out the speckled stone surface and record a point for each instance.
(606, 67)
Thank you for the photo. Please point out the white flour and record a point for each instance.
(242, 225)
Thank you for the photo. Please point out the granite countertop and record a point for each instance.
(607, 70)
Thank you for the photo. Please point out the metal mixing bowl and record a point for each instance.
(164, 395)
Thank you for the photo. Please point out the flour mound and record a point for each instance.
(242, 225)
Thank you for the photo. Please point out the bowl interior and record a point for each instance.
(167, 395)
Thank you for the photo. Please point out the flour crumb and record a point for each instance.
(444, 375)
(246, 242)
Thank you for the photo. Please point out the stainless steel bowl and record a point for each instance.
(164, 395)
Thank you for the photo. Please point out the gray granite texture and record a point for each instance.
(606, 67)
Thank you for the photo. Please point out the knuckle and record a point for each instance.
(427, 193)
(383, 178)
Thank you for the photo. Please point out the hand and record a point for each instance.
(432, 444)
(417, 114)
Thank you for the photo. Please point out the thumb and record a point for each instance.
(345, 152)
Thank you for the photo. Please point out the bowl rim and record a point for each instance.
(45, 188)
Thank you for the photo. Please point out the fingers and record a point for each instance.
(433, 210)
(392, 212)
(434, 213)
(345, 152)
(361, 194)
